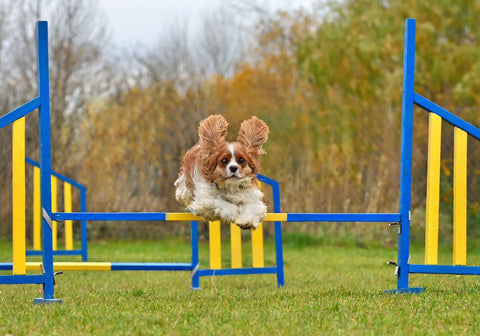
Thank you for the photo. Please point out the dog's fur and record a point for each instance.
(217, 179)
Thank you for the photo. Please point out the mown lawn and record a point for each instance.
(330, 289)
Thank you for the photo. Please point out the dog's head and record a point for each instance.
(236, 161)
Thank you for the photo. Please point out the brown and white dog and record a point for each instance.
(217, 180)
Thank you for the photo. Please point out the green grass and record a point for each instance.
(329, 290)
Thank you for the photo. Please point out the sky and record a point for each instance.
(143, 21)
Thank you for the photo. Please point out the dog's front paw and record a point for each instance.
(249, 223)
(251, 215)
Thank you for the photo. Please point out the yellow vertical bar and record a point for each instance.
(215, 245)
(460, 197)
(18, 199)
(67, 205)
(54, 209)
(257, 243)
(37, 211)
(257, 247)
(236, 245)
(433, 188)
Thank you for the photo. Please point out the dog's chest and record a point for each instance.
(237, 196)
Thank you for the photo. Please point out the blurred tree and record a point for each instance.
(170, 59)
(329, 86)
(355, 61)
(220, 44)
(78, 71)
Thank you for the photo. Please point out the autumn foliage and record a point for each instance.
(329, 86)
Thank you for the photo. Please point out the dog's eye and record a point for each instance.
(224, 161)
(241, 160)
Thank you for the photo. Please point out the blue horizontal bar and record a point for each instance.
(54, 173)
(6, 266)
(237, 271)
(21, 279)
(19, 112)
(343, 217)
(446, 115)
(109, 216)
(444, 269)
(59, 252)
(151, 267)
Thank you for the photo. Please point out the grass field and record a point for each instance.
(330, 289)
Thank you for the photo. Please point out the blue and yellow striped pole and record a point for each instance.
(257, 247)
(215, 243)
(460, 197)
(18, 196)
(236, 245)
(54, 209)
(67, 203)
(37, 211)
(433, 188)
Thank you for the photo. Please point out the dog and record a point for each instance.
(218, 179)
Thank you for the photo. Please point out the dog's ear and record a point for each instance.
(253, 134)
(212, 131)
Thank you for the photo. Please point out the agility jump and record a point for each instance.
(49, 223)
(401, 218)
(461, 130)
(214, 232)
(216, 267)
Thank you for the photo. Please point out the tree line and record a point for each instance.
(327, 82)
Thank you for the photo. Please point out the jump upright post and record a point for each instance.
(42, 103)
(402, 267)
(462, 129)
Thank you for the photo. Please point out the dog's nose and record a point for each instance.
(233, 169)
